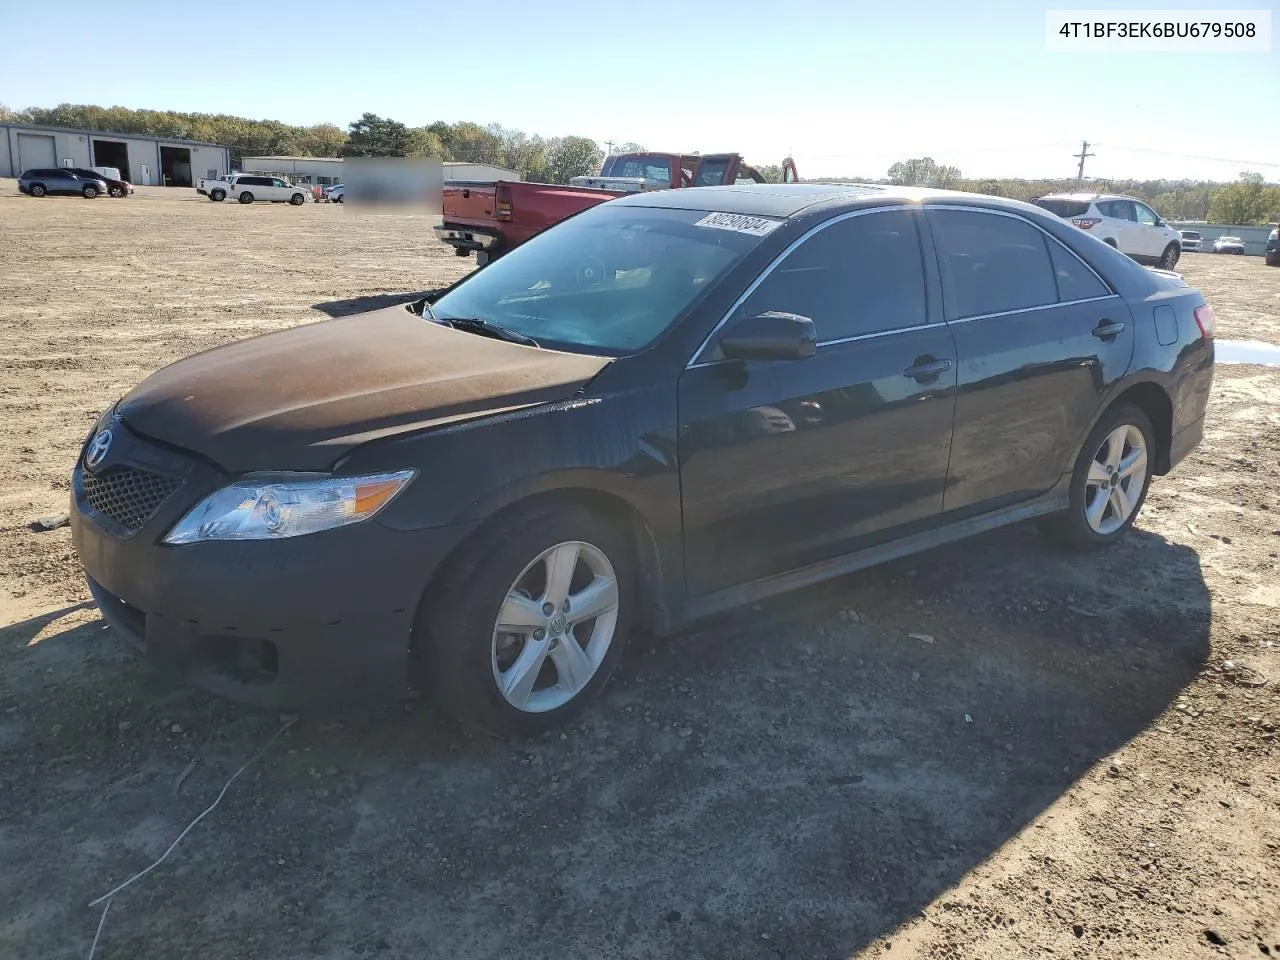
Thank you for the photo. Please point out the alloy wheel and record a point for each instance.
(1117, 477)
(555, 627)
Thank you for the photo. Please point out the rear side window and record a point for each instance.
(991, 263)
(1064, 208)
(861, 275)
(1119, 209)
(1075, 280)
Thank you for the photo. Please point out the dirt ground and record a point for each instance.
(992, 750)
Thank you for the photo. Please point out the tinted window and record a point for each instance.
(1075, 280)
(651, 168)
(607, 281)
(1119, 209)
(1064, 208)
(858, 276)
(711, 173)
(991, 263)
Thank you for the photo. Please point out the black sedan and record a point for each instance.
(115, 188)
(665, 406)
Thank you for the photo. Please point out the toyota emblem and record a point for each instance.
(98, 448)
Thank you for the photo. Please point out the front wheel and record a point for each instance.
(1109, 483)
(1169, 259)
(297, 200)
(90, 192)
(217, 196)
(246, 197)
(116, 192)
(528, 624)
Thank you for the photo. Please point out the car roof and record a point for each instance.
(790, 199)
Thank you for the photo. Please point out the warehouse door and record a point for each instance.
(36, 150)
(112, 153)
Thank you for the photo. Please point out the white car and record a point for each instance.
(1191, 240)
(1125, 223)
(335, 193)
(248, 187)
(1228, 245)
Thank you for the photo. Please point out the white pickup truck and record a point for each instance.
(215, 189)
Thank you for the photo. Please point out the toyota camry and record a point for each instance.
(667, 405)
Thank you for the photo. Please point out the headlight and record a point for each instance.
(273, 510)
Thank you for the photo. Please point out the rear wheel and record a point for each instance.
(297, 200)
(1169, 259)
(89, 192)
(217, 196)
(529, 622)
(246, 197)
(37, 190)
(1109, 483)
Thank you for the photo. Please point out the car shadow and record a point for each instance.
(796, 778)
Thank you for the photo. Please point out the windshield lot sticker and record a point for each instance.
(739, 223)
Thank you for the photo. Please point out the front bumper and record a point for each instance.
(308, 621)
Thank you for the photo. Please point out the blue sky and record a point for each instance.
(847, 88)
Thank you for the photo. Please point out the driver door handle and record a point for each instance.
(926, 369)
(1107, 329)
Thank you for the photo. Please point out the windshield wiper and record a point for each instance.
(485, 328)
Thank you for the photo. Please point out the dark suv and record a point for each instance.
(667, 405)
(1272, 253)
(38, 183)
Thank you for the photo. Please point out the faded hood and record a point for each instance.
(301, 398)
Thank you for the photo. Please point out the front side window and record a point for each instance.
(1146, 216)
(991, 263)
(608, 281)
(277, 182)
(858, 276)
(711, 173)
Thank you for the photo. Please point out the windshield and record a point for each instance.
(608, 281)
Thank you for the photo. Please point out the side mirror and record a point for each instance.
(770, 336)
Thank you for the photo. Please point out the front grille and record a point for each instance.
(128, 495)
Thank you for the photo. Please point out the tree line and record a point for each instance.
(1250, 200)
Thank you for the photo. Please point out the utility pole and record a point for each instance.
(1084, 152)
(609, 144)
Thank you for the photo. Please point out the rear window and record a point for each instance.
(651, 168)
(1190, 235)
(1064, 208)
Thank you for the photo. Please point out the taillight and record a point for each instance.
(502, 202)
(1084, 223)
(1204, 320)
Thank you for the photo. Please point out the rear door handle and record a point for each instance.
(1107, 329)
(927, 370)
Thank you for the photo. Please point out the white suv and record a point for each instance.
(1127, 224)
(248, 187)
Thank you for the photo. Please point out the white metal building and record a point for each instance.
(323, 171)
(142, 160)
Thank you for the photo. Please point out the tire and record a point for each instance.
(459, 657)
(1111, 243)
(116, 192)
(1073, 527)
(483, 258)
(1169, 259)
(37, 190)
(297, 200)
(217, 196)
(340, 198)
(90, 192)
(246, 197)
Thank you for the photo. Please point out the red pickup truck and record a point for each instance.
(492, 217)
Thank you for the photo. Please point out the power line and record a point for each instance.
(1194, 156)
